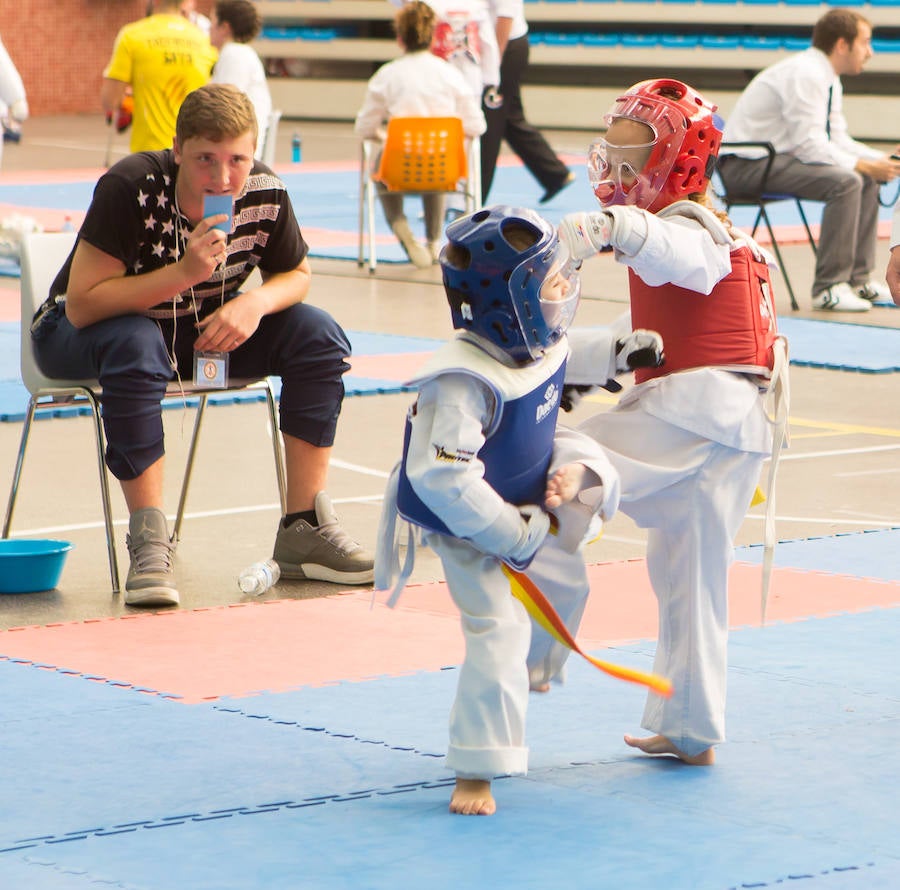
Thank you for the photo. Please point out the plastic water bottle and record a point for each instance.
(259, 577)
(67, 225)
(296, 148)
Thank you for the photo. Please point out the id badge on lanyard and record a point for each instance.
(211, 369)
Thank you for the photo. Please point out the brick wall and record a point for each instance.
(62, 46)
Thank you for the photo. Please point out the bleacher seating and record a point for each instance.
(320, 53)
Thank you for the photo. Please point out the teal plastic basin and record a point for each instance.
(31, 565)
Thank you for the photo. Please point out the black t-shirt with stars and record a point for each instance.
(133, 218)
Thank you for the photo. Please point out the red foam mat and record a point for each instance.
(274, 646)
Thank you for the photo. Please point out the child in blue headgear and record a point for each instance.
(486, 471)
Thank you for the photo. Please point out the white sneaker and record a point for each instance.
(417, 254)
(874, 291)
(840, 298)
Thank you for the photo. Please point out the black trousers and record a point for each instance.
(508, 122)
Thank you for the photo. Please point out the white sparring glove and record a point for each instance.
(535, 527)
(586, 233)
(640, 349)
(515, 535)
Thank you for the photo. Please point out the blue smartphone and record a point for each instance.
(213, 205)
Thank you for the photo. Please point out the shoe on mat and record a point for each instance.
(552, 192)
(151, 576)
(840, 298)
(874, 291)
(324, 552)
(417, 254)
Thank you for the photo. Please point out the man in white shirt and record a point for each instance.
(796, 104)
(893, 269)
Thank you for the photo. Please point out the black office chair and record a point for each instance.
(761, 201)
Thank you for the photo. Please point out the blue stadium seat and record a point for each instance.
(599, 39)
(748, 41)
(557, 39)
(643, 40)
(680, 41)
(716, 41)
(271, 32)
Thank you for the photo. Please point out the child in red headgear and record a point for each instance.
(689, 440)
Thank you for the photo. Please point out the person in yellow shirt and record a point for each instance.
(162, 58)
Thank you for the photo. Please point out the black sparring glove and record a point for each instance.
(640, 349)
(572, 394)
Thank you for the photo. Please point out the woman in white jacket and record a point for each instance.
(418, 84)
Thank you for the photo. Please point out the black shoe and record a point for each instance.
(551, 193)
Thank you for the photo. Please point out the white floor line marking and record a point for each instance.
(869, 516)
(881, 472)
(205, 514)
(357, 468)
(839, 453)
(833, 520)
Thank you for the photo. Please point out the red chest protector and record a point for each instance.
(734, 327)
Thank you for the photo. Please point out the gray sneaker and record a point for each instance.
(323, 553)
(151, 577)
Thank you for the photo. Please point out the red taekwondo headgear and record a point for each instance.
(686, 138)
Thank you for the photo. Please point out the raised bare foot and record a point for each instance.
(564, 485)
(472, 797)
(659, 744)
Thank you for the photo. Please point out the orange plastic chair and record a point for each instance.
(420, 155)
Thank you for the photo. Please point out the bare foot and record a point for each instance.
(564, 485)
(472, 797)
(540, 687)
(659, 744)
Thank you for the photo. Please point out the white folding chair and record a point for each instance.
(43, 254)
(420, 155)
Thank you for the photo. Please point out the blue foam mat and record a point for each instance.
(14, 396)
(842, 346)
(548, 836)
(311, 788)
(868, 554)
(329, 200)
(9, 268)
(823, 344)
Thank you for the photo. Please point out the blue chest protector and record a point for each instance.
(519, 441)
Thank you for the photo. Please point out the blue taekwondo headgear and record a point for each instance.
(495, 264)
